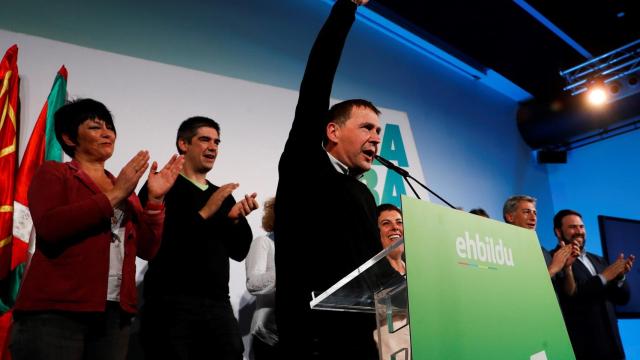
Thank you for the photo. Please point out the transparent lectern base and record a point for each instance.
(374, 287)
(392, 334)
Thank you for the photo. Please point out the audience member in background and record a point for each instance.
(520, 210)
(187, 313)
(79, 292)
(261, 282)
(589, 313)
(480, 212)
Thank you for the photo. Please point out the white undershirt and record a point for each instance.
(589, 265)
(116, 255)
(340, 167)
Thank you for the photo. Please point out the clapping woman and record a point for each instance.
(78, 294)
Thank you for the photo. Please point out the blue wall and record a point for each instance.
(465, 132)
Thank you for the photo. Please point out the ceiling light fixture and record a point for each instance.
(614, 73)
(597, 96)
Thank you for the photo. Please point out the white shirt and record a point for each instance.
(589, 265)
(340, 167)
(261, 282)
(116, 255)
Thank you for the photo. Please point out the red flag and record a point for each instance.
(42, 144)
(9, 86)
(5, 327)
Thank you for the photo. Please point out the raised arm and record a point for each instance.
(315, 89)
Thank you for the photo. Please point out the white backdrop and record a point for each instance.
(149, 100)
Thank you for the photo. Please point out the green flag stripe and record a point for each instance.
(57, 97)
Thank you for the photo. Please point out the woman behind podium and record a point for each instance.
(391, 228)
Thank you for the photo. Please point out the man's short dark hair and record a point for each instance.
(557, 220)
(71, 115)
(189, 128)
(387, 207)
(340, 112)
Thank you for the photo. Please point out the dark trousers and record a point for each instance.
(264, 351)
(58, 335)
(328, 335)
(181, 327)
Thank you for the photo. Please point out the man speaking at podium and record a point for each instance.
(326, 224)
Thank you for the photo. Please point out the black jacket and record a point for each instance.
(590, 314)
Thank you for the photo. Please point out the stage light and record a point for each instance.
(614, 87)
(616, 72)
(597, 96)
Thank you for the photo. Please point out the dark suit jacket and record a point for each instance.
(590, 314)
(72, 217)
(547, 256)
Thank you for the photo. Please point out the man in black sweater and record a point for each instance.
(187, 313)
(319, 243)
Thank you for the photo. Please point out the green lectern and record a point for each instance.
(475, 288)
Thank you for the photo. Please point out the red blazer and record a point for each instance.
(70, 267)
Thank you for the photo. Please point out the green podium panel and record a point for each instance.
(478, 289)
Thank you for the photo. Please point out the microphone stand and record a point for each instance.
(405, 174)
